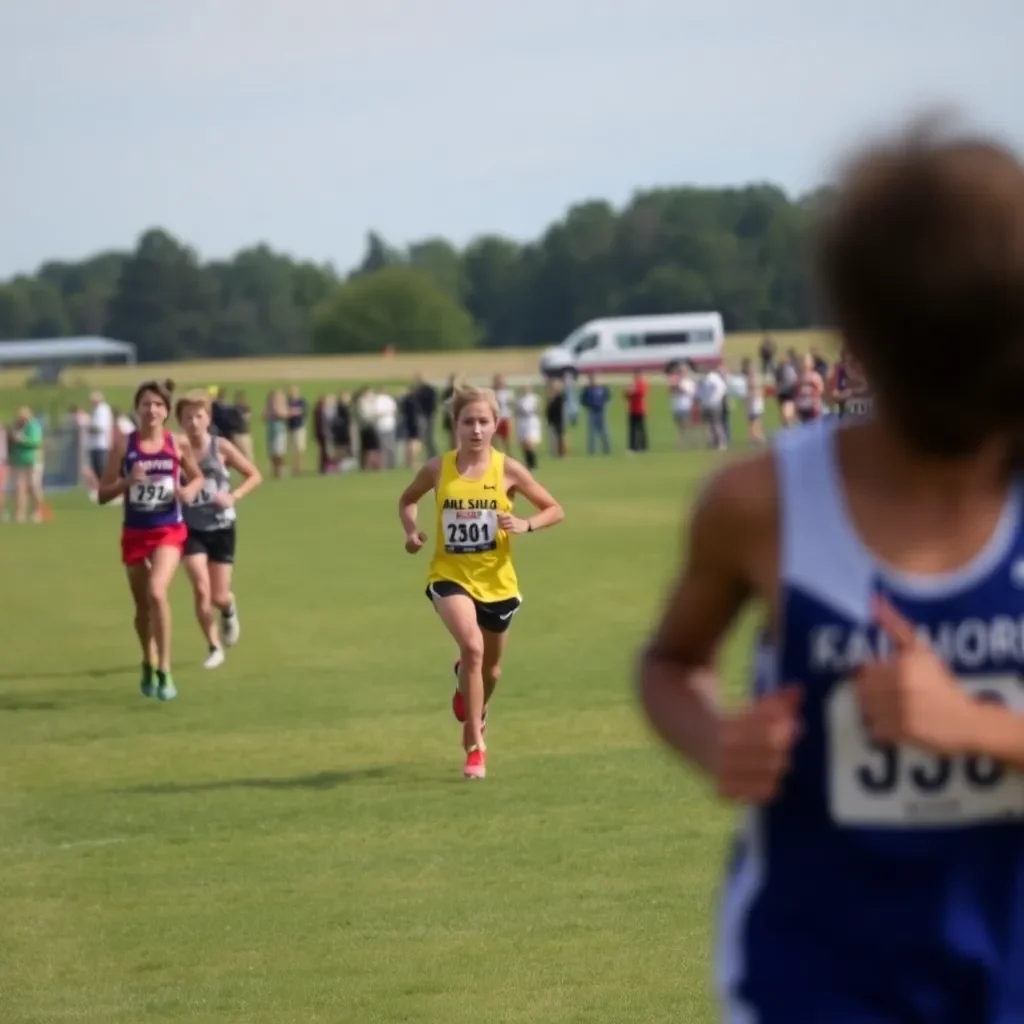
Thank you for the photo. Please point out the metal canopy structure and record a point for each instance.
(65, 350)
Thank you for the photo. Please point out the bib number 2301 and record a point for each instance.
(877, 785)
(469, 531)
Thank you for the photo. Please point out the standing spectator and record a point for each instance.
(503, 430)
(341, 430)
(446, 415)
(767, 354)
(712, 393)
(412, 421)
(366, 420)
(595, 398)
(298, 410)
(101, 435)
(226, 419)
(386, 413)
(572, 403)
(820, 363)
(323, 435)
(243, 439)
(555, 415)
(682, 391)
(810, 391)
(755, 401)
(636, 399)
(787, 374)
(124, 424)
(26, 459)
(426, 400)
(275, 416)
(4, 449)
(527, 410)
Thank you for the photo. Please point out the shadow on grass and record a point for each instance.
(27, 704)
(76, 673)
(321, 780)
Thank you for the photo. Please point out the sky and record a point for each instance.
(306, 123)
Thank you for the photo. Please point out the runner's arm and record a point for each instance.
(522, 481)
(425, 480)
(234, 459)
(112, 484)
(193, 474)
(677, 672)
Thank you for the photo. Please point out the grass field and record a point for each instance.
(291, 841)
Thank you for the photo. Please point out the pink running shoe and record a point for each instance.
(476, 764)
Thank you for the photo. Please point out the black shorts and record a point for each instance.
(217, 545)
(494, 616)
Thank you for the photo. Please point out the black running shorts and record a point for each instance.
(494, 616)
(217, 545)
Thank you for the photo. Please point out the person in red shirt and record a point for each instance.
(636, 398)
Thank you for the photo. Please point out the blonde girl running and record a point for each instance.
(471, 581)
(210, 518)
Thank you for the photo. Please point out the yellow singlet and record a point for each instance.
(470, 549)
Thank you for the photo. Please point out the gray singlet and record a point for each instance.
(203, 514)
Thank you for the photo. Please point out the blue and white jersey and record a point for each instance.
(884, 884)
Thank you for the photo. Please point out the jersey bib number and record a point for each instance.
(873, 785)
(153, 494)
(208, 493)
(469, 531)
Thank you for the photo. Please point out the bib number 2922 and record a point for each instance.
(878, 785)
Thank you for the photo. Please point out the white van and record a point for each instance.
(629, 343)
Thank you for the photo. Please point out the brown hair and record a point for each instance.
(190, 398)
(466, 395)
(163, 389)
(921, 258)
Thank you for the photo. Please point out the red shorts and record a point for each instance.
(503, 429)
(138, 545)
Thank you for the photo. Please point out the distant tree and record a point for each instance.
(397, 306)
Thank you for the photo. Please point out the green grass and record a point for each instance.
(291, 841)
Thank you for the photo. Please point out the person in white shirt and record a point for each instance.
(527, 409)
(98, 440)
(505, 398)
(682, 392)
(385, 412)
(712, 393)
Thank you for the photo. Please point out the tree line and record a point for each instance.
(744, 252)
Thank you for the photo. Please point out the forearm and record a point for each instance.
(408, 516)
(547, 517)
(108, 492)
(249, 484)
(682, 706)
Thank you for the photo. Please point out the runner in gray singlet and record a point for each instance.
(204, 513)
(209, 554)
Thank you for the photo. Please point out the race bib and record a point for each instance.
(208, 493)
(152, 494)
(860, 406)
(468, 531)
(873, 785)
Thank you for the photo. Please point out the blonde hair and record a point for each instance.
(467, 394)
(189, 399)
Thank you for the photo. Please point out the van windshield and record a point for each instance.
(588, 341)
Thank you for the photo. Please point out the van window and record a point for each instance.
(679, 337)
(629, 340)
(587, 342)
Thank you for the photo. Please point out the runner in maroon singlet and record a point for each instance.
(144, 470)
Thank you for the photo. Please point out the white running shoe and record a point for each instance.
(230, 627)
(215, 658)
